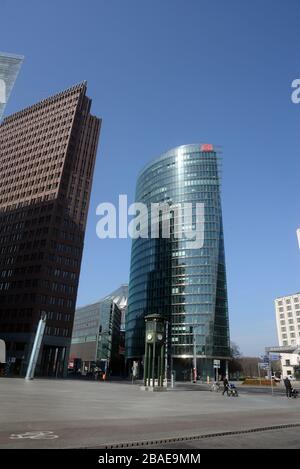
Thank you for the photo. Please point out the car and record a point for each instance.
(276, 378)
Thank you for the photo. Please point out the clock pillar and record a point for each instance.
(154, 367)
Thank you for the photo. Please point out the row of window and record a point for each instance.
(53, 300)
(67, 275)
(64, 274)
(52, 315)
(283, 322)
(32, 200)
(16, 327)
(48, 112)
(32, 211)
(200, 165)
(16, 196)
(57, 331)
(39, 243)
(288, 301)
(68, 249)
(33, 176)
(292, 335)
(63, 288)
(23, 235)
(20, 271)
(288, 309)
(68, 261)
(37, 299)
(283, 328)
(22, 313)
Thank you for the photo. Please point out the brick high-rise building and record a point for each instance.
(47, 157)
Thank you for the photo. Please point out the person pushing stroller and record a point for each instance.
(226, 386)
(290, 391)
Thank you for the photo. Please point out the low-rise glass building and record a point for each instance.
(98, 334)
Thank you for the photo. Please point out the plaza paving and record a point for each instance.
(83, 414)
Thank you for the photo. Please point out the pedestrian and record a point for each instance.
(288, 387)
(226, 385)
(134, 371)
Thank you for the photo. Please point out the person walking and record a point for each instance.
(226, 385)
(288, 387)
(134, 371)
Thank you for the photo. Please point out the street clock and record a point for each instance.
(149, 337)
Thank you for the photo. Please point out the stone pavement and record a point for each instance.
(94, 414)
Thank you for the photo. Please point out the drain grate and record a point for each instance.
(145, 443)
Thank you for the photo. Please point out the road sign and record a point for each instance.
(264, 365)
(217, 363)
(275, 356)
(265, 358)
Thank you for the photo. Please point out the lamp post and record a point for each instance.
(194, 357)
(166, 353)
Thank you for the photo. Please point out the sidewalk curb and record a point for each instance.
(145, 443)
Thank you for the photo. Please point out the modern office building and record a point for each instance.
(47, 157)
(98, 334)
(9, 68)
(287, 309)
(184, 284)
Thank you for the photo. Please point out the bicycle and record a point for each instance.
(215, 387)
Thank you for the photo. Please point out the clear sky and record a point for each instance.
(168, 72)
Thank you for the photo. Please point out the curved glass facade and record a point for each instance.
(167, 276)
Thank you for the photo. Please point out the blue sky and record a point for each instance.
(165, 73)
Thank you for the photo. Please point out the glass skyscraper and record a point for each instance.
(168, 276)
(9, 68)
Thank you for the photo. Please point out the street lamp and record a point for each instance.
(194, 357)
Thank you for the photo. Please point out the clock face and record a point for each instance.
(149, 336)
(159, 336)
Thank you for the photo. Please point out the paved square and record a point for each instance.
(77, 414)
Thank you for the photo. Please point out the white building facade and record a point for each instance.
(288, 329)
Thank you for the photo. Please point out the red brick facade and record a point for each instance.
(47, 157)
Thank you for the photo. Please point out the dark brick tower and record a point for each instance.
(47, 157)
